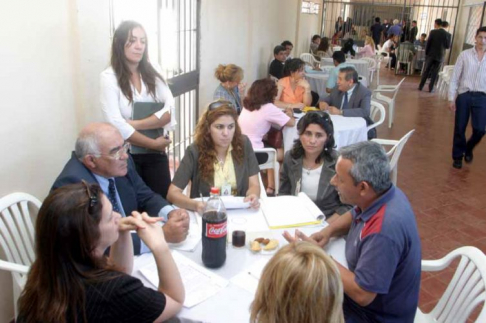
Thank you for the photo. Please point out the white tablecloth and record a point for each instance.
(361, 66)
(232, 303)
(347, 131)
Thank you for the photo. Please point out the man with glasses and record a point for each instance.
(101, 156)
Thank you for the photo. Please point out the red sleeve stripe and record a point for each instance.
(374, 224)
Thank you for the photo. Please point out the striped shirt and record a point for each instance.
(469, 74)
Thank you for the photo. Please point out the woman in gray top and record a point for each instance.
(219, 157)
(309, 166)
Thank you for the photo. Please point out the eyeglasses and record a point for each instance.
(116, 155)
(93, 200)
(219, 103)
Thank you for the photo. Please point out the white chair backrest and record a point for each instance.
(467, 289)
(398, 88)
(16, 228)
(395, 152)
(308, 59)
(377, 110)
(336, 48)
(271, 163)
(371, 62)
(17, 236)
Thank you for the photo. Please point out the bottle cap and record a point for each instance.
(214, 190)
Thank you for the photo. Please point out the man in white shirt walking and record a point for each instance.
(469, 84)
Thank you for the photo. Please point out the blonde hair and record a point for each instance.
(299, 284)
(370, 41)
(228, 73)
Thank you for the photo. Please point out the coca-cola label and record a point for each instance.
(215, 230)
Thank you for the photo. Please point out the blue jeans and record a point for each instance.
(474, 104)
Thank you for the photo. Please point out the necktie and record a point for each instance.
(112, 195)
(345, 103)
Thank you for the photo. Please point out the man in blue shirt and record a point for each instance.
(383, 249)
(396, 29)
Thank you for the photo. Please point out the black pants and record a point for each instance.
(154, 170)
(474, 104)
(431, 69)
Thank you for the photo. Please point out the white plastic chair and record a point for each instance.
(336, 48)
(445, 80)
(17, 236)
(442, 73)
(372, 63)
(394, 153)
(393, 89)
(309, 59)
(466, 291)
(271, 163)
(377, 109)
(386, 58)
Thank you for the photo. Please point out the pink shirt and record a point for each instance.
(367, 51)
(255, 124)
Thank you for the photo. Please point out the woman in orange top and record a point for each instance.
(293, 89)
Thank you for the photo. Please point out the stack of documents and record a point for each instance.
(199, 283)
(291, 211)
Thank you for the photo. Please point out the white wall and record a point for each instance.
(243, 33)
(308, 26)
(38, 90)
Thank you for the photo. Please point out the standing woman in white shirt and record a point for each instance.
(131, 78)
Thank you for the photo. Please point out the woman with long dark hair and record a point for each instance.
(132, 81)
(72, 280)
(219, 157)
(324, 50)
(310, 165)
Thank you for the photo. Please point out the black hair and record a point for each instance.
(286, 43)
(438, 21)
(339, 56)
(424, 34)
(377, 19)
(322, 119)
(350, 74)
(445, 24)
(348, 47)
(293, 65)
(481, 30)
(315, 37)
(278, 49)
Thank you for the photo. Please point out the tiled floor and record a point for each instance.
(450, 204)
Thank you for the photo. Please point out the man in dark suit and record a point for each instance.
(101, 157)
(377, 31)
(412, 35)
(438, 42)
(349, 98)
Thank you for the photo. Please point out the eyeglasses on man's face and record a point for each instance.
(117, 153)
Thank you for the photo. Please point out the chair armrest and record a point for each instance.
(9, 266)
(384, 90)
(385, 141)
(380, 87)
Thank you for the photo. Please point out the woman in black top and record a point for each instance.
(72, 280)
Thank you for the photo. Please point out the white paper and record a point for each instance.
(248, 279)
(231, 202)
(199, 283)
(290, 211)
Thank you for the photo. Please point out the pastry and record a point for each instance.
(255, 246)
(272, 245)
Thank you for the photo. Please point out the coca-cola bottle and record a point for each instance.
(214, 231)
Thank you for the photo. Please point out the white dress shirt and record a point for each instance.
(117, 109)
(469, 74)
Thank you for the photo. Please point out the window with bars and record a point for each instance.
(473, 23)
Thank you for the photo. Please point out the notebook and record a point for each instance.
(291, 211)
(142, 110)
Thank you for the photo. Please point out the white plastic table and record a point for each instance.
(362, 66)
(347, 131)
(233, 302)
